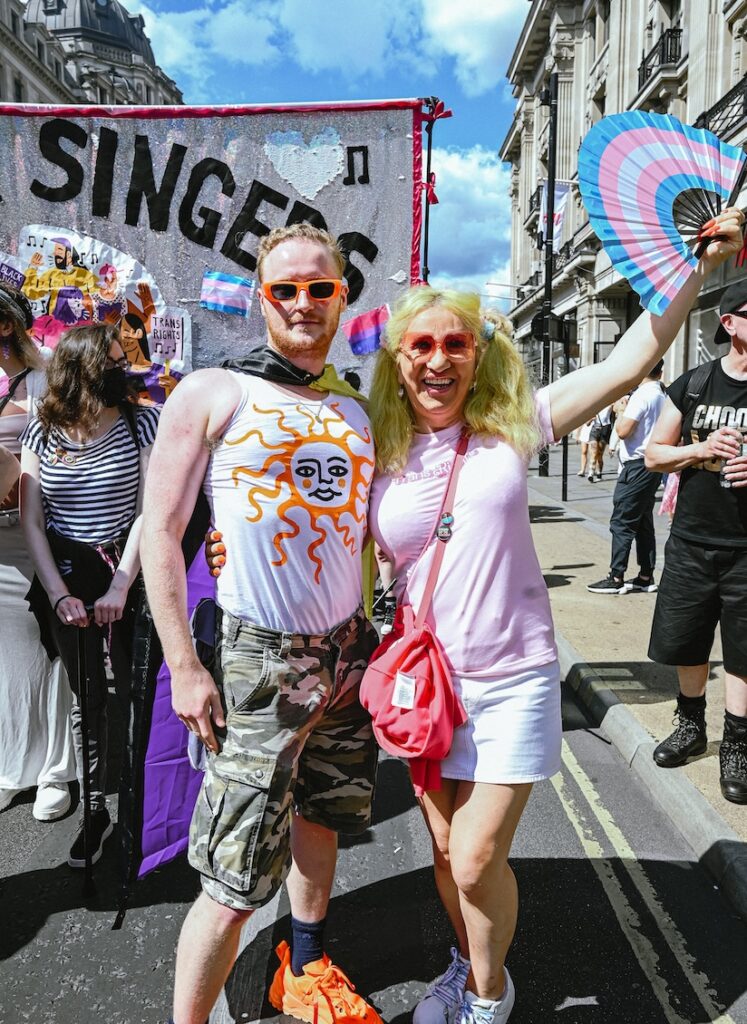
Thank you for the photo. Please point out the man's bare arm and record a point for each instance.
(665, 454)
(198, 410)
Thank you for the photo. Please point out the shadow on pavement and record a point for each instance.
(639, 682)
(551, 514)
(31, 898)
(392, 937)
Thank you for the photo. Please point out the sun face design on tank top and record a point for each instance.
(316, 471)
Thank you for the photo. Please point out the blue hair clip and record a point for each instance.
(488, 330)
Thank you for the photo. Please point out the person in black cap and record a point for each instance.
(701, 432)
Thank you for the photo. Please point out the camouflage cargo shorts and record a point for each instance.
(296, 737)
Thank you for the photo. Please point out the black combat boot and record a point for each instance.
(733, 759)
(390, 610)
(689, 737)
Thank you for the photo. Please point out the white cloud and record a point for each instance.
(479, 36)
(485, 284)
(353, 39)
(243, 35)
(470, 228)
(368, 38)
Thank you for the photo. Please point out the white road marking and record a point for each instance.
(629, 921)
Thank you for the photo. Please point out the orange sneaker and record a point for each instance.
(322, 995)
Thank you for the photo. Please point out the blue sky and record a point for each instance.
(272, 51)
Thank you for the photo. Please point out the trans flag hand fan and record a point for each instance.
(650, 184)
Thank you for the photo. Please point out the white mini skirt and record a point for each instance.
(513, 731)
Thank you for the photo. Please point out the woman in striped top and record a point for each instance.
(84, 460)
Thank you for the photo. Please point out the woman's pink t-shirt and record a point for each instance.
(490, 610)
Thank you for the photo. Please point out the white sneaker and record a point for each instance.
(497, 1013)
(52, 801)
(7, 796)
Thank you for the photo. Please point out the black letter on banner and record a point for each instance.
(247, 222)
(301, 212)
(204, 234)
(103, 178)
(350, 242)
(363, 178)
(50, 148)
(142, 184)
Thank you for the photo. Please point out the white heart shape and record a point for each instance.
(308, 167)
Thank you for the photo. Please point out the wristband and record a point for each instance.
(59, 601)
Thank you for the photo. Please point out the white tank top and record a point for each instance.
(288, 488)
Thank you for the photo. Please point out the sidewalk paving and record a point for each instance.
(603, 642)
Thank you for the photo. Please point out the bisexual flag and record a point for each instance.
(226, 293)
(364, 331)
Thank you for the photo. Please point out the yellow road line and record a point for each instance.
(672, 936)
(627, 918)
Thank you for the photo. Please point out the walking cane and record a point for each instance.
(383, 594)
(88, 885)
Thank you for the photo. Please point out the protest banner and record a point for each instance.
(150, 218)
(113, 212)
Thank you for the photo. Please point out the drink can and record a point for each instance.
(722, 479)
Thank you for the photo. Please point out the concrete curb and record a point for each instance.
(715, 844)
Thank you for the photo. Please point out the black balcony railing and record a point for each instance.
(667, 50)
(535, 200)
(728, 113)
(564, 255)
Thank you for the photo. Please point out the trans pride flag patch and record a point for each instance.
(226, 293)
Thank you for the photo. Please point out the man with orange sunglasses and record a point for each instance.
(283, 451)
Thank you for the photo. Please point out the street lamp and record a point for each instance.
(549, 98)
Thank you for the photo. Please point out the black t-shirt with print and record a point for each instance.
(707, 513)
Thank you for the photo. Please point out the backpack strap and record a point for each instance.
(13, 387)
(129, 415)
(697, 382)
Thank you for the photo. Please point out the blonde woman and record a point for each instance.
(439, 374)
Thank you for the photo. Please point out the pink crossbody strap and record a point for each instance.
(444, 519)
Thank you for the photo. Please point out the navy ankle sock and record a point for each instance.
(307, 943)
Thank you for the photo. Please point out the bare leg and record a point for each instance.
(693, 679)
(600, 457)
(385, 567)
(593, 445)
(736, 694)
(437, 807)
(207, 949)
(312, 873)
(210, 935)
(482, 830)
(584, 457)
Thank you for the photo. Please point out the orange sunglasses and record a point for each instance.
(321, 290)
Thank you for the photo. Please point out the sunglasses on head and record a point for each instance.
(321, 290)
(456, 346)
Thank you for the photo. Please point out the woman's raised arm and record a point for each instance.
(579, 395)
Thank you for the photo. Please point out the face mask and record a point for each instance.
(113, 386)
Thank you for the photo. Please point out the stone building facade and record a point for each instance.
(682, 57)
(78, 51)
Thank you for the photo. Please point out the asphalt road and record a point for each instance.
(618, 922)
